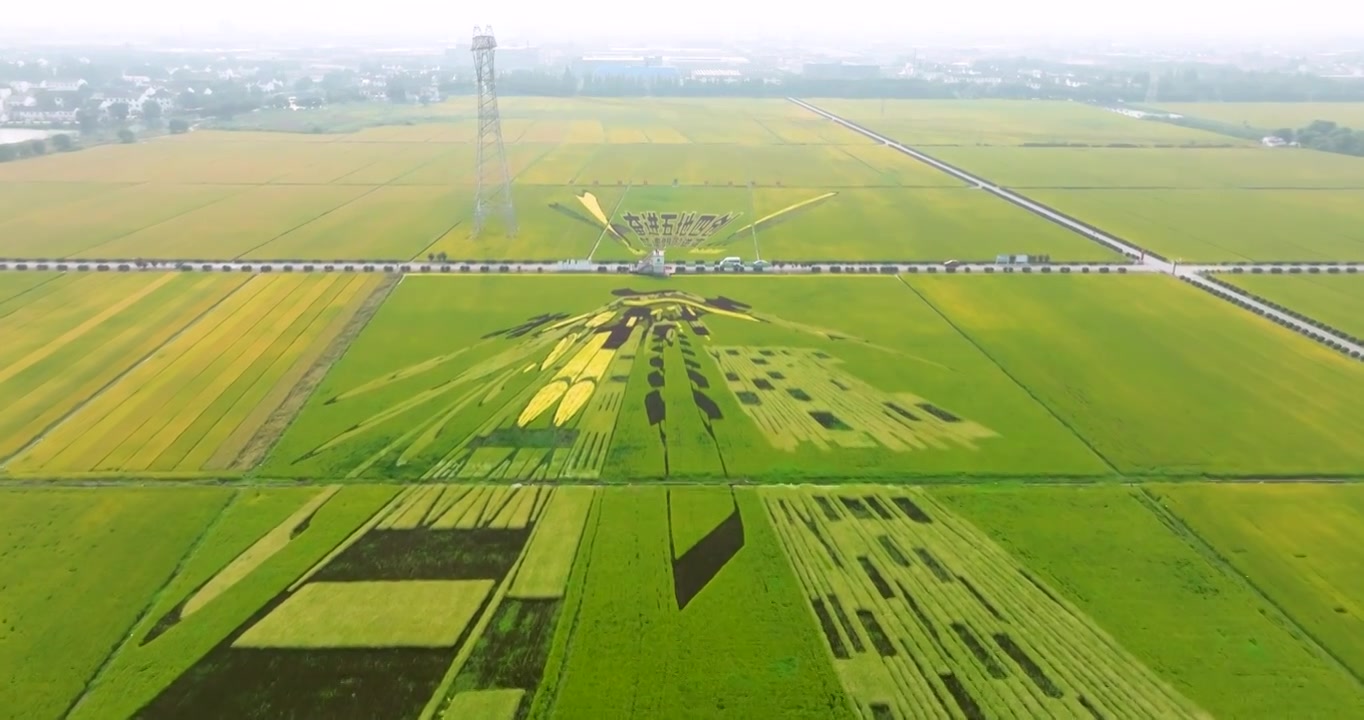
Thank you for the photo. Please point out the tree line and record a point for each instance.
(1325, 135)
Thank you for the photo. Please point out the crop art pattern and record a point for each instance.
(926, 617)
(640, 381)
(421, 607)
(799, 396)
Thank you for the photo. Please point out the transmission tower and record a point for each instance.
(493, 192)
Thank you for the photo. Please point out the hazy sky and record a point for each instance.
(546, 19)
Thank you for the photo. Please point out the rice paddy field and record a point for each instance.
(607, 179)
(1332, 299)
(1195, 204)
(582, 601)
(601, 495)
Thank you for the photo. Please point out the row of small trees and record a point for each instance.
(63, 142)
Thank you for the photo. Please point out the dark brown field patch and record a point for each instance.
(426, 554)
(828, 420)
(655, 408)
(829, 512)
(939, 413)
(703, 561)
(912, 510)
(979, 651)
(879, 640)
(748, 397)
(934, 565)
(897, 555)
(980, 598)
(707, 406)
(856, 507)
(1035, 673)
(799, 394)
(965, 702)
(902, 412)
(513, 649)
(874, 575)
(831, 636)
(875, 504)
(842, 616)
(762, 384)
(332, 683)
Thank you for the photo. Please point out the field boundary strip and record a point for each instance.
(282, 416)
(1184, 531)
(979, 348)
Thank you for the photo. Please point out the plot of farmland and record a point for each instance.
(23, 197)
(86, 224)
(1225, 225)
(1295, 544)
(70, 336)
(1167, 600)
(585, 377)
(194, 403)
(1010, 122)
(78, 569)
(248, 563)
(231, 227)
(1082, 168)
(1160, 378)
(727, 616)
(1333, 299)
(390, 222)
(871, 225)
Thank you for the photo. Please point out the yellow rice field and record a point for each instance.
(196, 402)
(71, 335)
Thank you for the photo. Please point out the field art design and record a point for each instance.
(645, 219)
(439, 598)
(489, 601)
(556, 395)
(915, 604)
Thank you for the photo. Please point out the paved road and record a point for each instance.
(458, 268)
(473, 267)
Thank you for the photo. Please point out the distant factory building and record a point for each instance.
(636, 67)
(841, 71)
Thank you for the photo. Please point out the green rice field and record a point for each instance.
(943, 494)
(1332, 299)
(855, 601)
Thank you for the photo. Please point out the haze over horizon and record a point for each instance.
(542, 20)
